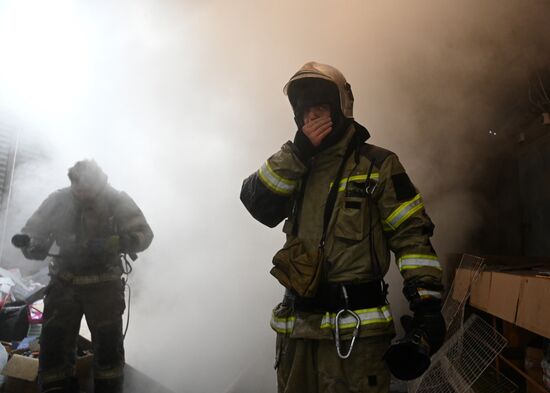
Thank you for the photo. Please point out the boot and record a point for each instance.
(111, 385)
(69, 385)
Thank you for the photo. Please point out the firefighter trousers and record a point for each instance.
(313, 366)
(103, 305)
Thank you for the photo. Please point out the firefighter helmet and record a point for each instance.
(314, 70)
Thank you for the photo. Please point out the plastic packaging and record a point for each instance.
(3, 361)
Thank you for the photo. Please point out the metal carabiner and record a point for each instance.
(337, 323)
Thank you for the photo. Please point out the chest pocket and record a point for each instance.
(350, 223)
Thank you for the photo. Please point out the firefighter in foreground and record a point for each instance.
(346, 203)
(93, 225)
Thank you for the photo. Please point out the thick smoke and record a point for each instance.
(179, 101)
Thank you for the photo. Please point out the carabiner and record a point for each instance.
(355, 332)
(337, 323)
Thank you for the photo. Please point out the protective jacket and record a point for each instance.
(377, 209)
(72, 225)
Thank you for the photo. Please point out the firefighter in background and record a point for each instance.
(347, 203)
(92, 224)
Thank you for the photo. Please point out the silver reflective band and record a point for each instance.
(275, 182)
(425, 293)
(416, 261)
(403, 212)
(367, 316)
(357, 178)
(282, 325)
(110, 373)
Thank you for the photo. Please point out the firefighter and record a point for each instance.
(93, 225)
(346, 203)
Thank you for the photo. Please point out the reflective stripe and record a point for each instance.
(403, 212)
(56, 374)
(415, 261)
(88, 279)
(282, 325)
(357, 178)
(109, 373)
(275, 182)
(134, 222)
(367, 316)
(424, 293)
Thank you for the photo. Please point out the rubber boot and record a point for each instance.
(54, 387)
(112, 385)
(69, 385)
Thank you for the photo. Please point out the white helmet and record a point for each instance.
(325, 72)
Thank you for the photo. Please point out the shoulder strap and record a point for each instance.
(374, 153)
(331, 199)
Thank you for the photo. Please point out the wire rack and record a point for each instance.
(470, 348)
(491, 381)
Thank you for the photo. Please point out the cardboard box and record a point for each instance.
(504, 294)
(481, 291)
(461, 286)
(22, 371)
(534, 305)
(518, 297)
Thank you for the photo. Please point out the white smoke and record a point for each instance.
(179, 101)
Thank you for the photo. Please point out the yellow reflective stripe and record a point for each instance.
(88, 279)
(109, 373)
(425, 293)
(56, 374)
(275, 182)
(356, 178)
(404, 211)
(367, 316)
(282, 325)
(415, 261)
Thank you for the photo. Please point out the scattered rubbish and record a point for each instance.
(21, 316)
(28, 344)
(14, 324)
(22, 288)
(3, 361)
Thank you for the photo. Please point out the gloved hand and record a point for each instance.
(126, 243)
(33, 248)
(21, 240)
(427, 313)
(110, 245)
(430, 320)
(409, 357)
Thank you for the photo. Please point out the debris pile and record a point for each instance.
(21, 315)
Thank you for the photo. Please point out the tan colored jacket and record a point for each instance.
(395, 213)
(63, 220)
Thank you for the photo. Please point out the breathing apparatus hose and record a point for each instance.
(126, 270)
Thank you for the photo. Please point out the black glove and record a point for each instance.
(431, 322)
(409, 357)
(127, 244)
(21, 240)
(306, 150)
(427, 313)
(32, 248)
(109, 245)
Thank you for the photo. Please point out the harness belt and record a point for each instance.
(87, 279)
(330, 297)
